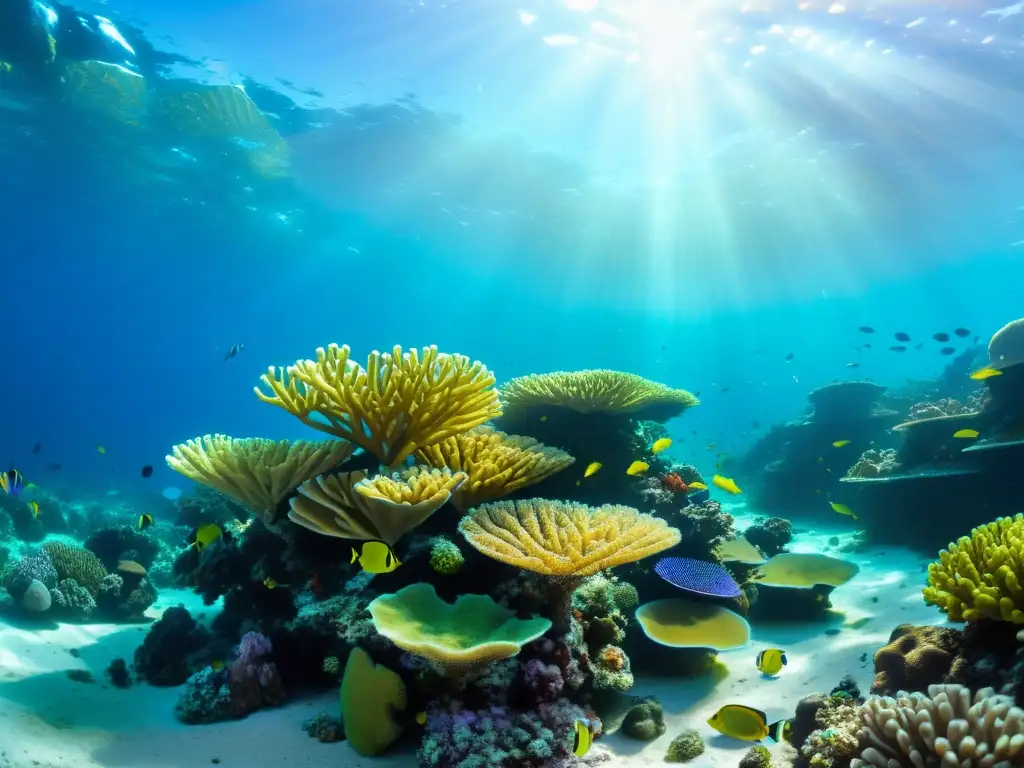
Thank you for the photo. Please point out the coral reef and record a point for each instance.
(445, 556)
(757, 757)
(875, 463)
(325, 727)
(770, 535)
(914, 658)
(174, 648)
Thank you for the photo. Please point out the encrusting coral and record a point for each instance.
(496, 464)
(980, 576)
(597, 391)
(399, 403)
(258, 473)
(564, 541)
(946, 726)
(353, 506)
(454, 638)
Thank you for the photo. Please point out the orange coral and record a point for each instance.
(613, 658)
(673, 482)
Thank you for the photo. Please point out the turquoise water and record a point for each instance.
(718, 197)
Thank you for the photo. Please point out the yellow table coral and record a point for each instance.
(980, 576)
(497, 464)
(256, 472)
(455, 638)
(400, 402)
(352, 505)
(597, 391)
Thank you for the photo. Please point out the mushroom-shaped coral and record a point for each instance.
(256, 472)
(371, 695)
(678, 623)
(597, 391)
(805, 570)
(980, 576)
(844, 400)
(497, 464)
(454, 637)
(353, 506)
(401, 401)
(1006, 347)
(944, 727)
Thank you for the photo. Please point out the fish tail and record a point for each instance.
(777, 730)
(355, 556)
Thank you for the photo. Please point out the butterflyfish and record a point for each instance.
(376, 557)
(145, 521)
(985, 373)
(738, 721)
(638, 468)
(842, 509)
(33, 507)
(583, 737)
(772, 661)
(421, 717)
(661, 445)
(840, 443)
(726, 484)
(966, 434)
(207, 534)
(11, 482)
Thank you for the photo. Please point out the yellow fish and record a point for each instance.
(145, 521)
(842, 509)
(207, 534)
(269, 583)
(101, 449)
(840, 443)
(661, 445)
(747, 724)
(33, 507)
(377, 557)
(638, 468)
(583, 737)
(216, 665)
(697, 486)
(968, 434)
(592, 468)
(772, 661)
(421, 717)
(726, 484)
(985, 373)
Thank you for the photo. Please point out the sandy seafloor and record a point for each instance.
(47, 720)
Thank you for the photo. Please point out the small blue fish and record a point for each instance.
(11, 482)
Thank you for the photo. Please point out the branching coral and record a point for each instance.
(399, 403)
(980, 576)
(256, 472)
(497, 464)
(352, 506)
(597, 391)
(947, 726)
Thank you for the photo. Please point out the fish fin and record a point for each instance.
(785, 661)
(777, 731)
(355, 556)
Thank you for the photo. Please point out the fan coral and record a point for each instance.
(980, 576)
(445, 556)
(401, 401)
(597, 391)
(256, 472)
(496, 464)
(875, 463)
(947, 725)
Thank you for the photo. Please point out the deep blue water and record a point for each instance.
(459, 175)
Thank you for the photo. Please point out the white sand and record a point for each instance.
(47, 720)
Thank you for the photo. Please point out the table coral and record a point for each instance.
(980, 576)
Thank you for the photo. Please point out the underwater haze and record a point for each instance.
(746, 270)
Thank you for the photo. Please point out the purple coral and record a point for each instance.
(541, 682)
(254, 680)
(698, 576)
(253, 647)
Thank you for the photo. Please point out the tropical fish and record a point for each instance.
(726, 484)
(11, 482)
(33, 507)
(376, 557)
(421, 717)
(962, 332)
(772, 661)
(941, 337)
(966, 434)
(901, 336)
(985, 373)
(842, 509)
(840, 443)
(592, 468)
(638, 468)
(696, 486)
(269, 583)
(738, 721)
(101, 449)
(147, 471)
(789, 357)
(37, 448)
(207, 534)
(661, 445)
(866, 329)
(145, 521)
(233, 351)
(947, 350)
(583, 736)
